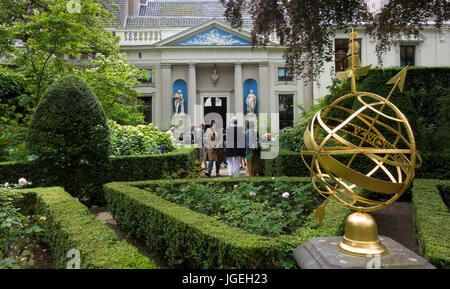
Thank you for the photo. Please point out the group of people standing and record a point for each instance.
(236, 147)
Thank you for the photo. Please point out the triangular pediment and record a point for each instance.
(212, 33)
(214, 37)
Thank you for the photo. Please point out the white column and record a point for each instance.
(238, 89)
(273, 105)
(299, 98)
(166, 92)
(192, 91)
(156, 108)
(263, 88)
(308, 93)
(308, 90)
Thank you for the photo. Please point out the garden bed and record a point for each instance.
(266, 207)
(197, 240)
(69, 226)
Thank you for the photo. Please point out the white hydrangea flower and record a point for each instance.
(22, 182)
(285, 195)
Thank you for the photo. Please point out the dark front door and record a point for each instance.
(217, 105)
(286, 110)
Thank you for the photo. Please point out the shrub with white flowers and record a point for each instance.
(138, 140)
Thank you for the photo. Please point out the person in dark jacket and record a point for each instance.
(235, 147)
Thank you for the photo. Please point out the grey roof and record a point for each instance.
(117, 8)
(183, 8)
(170, 21)
(179, 14)
(171, 13)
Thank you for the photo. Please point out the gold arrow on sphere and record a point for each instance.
(400, 77)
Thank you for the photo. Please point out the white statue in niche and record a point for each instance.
(215, 76)
(251, 102)
(179, 101)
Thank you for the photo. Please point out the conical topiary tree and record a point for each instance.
(70, 137)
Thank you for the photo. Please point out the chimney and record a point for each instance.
(132, 7)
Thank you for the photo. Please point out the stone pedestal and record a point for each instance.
(322, 253)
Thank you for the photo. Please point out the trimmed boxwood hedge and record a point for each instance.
(152, 167)
(183, 236)
(123, 168)
(288, 163)
(70, 138)
(431, 222)
(69, 225)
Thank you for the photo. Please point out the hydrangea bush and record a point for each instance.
(138, 140)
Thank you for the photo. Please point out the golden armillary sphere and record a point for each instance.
(374, 134)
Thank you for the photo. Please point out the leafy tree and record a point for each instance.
(47, 30)
(69, 136)
(13, 109)
(112, 79)
(14, 10)
(12, 95)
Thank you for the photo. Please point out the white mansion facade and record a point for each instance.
(191, 48)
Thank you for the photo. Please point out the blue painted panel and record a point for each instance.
(180, 84)
(250, 84)
(214, 37)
